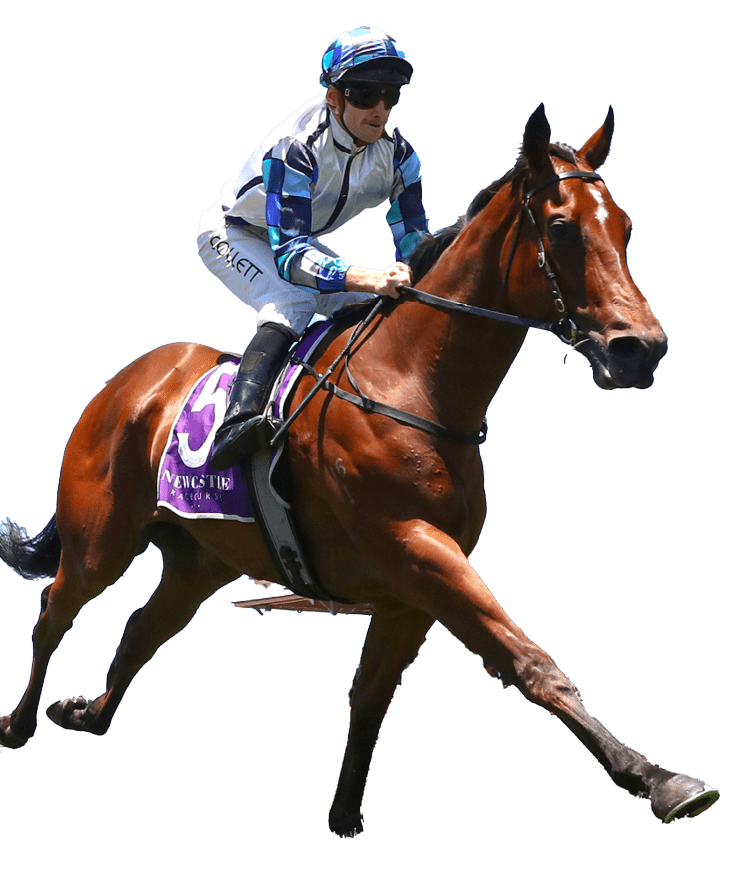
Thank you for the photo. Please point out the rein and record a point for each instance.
(564, 328)
(369, 405)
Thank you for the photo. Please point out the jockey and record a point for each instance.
(330, 161)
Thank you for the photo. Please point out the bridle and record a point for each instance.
(564, 327)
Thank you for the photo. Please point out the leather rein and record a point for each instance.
(564, 328)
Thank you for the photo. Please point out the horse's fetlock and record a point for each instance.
(23, 729)
(634, 773)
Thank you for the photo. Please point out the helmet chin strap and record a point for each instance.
(340, 116)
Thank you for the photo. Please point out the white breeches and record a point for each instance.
(245, 264)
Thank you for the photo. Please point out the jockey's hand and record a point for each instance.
(394, 278)
(380, 282)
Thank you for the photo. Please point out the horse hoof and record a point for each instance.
(8, 737)
(62, 713)
(682, 796)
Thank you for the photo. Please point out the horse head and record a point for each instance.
(581, 236)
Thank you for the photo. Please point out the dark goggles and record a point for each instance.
(364, 95)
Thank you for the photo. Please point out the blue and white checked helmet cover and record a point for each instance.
(358, 46)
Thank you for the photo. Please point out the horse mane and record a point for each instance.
(428, 251)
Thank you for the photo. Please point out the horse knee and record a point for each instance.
(361, 690)
(374, 689)
(369, 703)
(538, 678)
(354, 686)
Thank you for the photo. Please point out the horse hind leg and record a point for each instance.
(190, 575)
(78, 581)
(391, 645)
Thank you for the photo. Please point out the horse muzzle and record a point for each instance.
(627, 361)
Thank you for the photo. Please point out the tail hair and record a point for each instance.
(32, 558)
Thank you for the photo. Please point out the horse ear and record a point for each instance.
(595, 151)
(536, 139)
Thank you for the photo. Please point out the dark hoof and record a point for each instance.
(682, 796)
(345, 825)
(69, 714)
(8, 737)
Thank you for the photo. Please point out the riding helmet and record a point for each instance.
(369, 54)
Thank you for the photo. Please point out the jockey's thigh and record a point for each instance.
(245, 264)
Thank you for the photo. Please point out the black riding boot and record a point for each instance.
(242, 430)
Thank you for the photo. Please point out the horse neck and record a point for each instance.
(455, 360)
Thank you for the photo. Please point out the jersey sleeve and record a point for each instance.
(406, 215)
(290, 171)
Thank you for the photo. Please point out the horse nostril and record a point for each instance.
(631, 361)
(628, 352)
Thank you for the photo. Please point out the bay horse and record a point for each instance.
(388, 511)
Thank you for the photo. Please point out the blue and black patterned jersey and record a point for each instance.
(309, 178)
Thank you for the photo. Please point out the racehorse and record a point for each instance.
(388, 508)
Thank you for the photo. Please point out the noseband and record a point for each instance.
(564, 327)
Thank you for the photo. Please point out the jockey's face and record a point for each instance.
(364, 125)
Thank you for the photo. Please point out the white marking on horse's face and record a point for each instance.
(601, 213)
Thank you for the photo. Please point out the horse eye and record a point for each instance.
(560, 231)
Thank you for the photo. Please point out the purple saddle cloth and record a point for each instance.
(188, 483)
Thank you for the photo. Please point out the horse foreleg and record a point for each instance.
(189, 577)
(392, 643)
(440, 580)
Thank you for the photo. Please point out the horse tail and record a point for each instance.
(32, 558)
